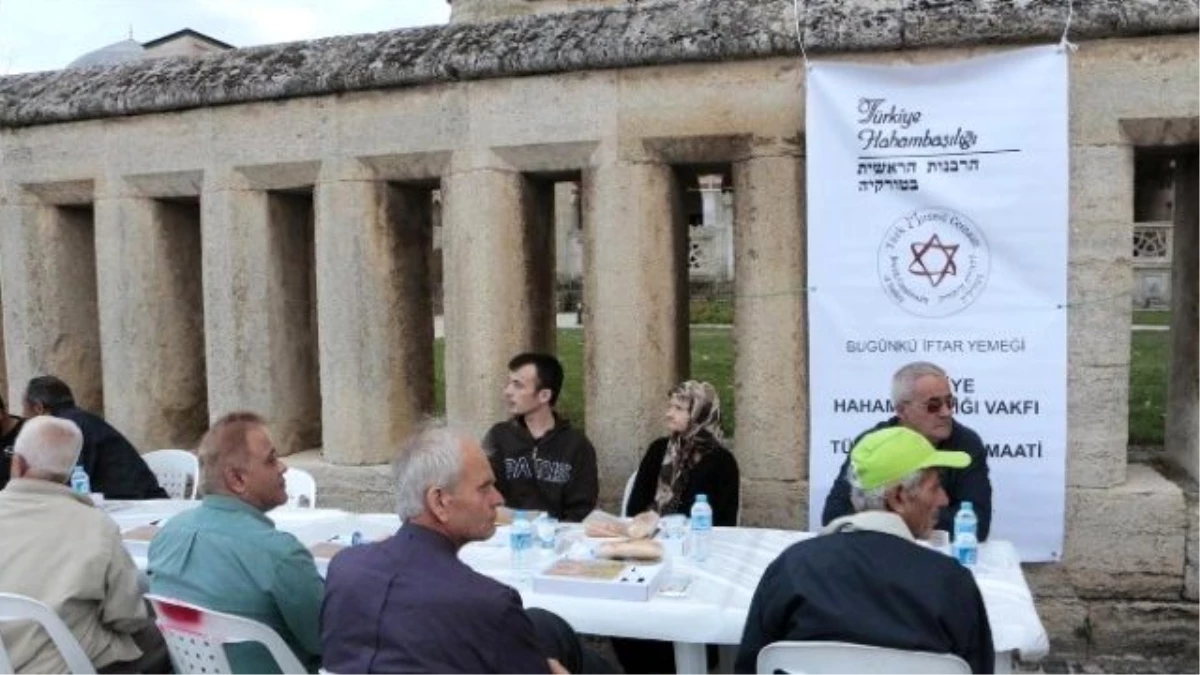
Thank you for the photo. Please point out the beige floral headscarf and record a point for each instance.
(684, 450)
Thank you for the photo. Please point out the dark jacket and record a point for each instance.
(715, 475)
(112, 463)
(871, 588)
(409, 605)
(7, 441)
(961, 485)
(555, 473)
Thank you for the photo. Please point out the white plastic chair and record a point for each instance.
(196, 637)
(301, 488)
(177, 471)
(20, 608)
(846, 657)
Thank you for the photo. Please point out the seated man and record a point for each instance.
(409, 605)
(865, 579)
(112, 463)
(540, 462)
(227, 555)
(923, 402)
(10, 426)
(62, 551)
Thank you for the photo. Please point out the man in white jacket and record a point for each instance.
(61, 550)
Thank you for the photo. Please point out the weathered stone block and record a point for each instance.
(1192, 556)
(836, 25)
(698, 100)
(1066, 622)
(1156, 79)
(775, 503)
(1097, 435)
(1155, 628)
(362, 489)
(1145, 514)
(1101, 185)
(770, 336)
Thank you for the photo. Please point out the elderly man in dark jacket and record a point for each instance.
(924, 403)
(112, 463)
(867, 579)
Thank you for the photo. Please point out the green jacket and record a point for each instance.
(227, 556)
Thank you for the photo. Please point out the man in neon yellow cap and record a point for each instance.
(924, 402)
(867, 579)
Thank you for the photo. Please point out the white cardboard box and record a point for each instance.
(605, 579)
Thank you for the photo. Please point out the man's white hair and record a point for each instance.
(905, 379)
(431, 458)
(875, 499)
(50, 446)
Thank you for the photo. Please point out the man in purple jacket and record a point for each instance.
(409, 605)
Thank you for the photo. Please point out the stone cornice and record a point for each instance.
(688, 31)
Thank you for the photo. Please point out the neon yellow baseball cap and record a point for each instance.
(887, 455)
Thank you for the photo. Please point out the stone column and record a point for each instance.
(260, 310)
(373, 242)
(1099, 284)
(498, 261)
(635, 290)
(48, 261)
(770, 331)
(152, 320)
(1182, 417)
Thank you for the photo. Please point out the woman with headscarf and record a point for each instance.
(691, 460)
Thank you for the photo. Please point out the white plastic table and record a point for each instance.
(713, 612)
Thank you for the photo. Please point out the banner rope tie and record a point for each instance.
(1063, 42)
(800, 33)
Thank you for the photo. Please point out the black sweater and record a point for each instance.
(555, 473)
(715, 475)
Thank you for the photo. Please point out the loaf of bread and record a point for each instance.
(643, 525)
(632, 549)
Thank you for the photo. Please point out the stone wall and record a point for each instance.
(186, 237)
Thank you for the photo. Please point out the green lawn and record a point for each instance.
(1151, 317)
(712, 360)
(1150, 360)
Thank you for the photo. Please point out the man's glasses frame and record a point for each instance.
(935, 404)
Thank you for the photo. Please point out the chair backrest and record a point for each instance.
(301, 488)
(177, 471)
(196, 637)
(846, 657)
(20, 608)
(628, 491)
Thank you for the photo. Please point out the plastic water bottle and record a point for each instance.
(966, 544)
(80, 483)
(520, 540)
(701, 528)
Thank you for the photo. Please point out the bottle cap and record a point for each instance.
(702, 498)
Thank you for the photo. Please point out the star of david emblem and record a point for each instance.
(940, 263)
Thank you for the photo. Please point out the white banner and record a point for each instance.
(937, 231)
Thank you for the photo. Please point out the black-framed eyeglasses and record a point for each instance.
(935, 404)
(9, 452)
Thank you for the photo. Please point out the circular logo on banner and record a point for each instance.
(933, 262)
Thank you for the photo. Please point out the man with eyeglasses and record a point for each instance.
(923, 402)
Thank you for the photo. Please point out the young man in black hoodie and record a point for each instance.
(541, 463)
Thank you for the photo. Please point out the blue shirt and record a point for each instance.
(228, 557)
(409, 605)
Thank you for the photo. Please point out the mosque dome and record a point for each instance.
(124, 51)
